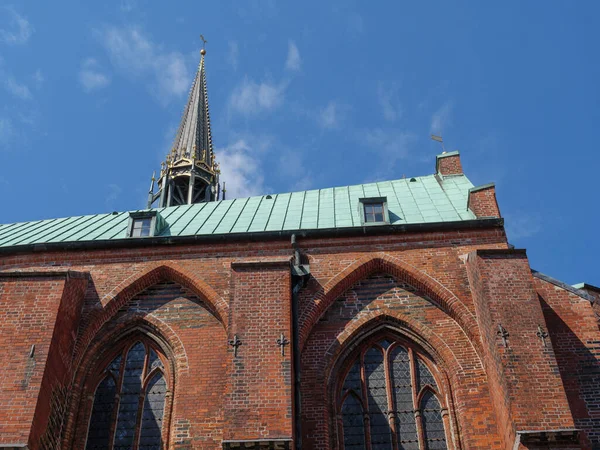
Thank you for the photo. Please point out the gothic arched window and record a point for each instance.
(390, 400)
(129, 401)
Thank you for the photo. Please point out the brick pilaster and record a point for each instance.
(525, 384)
(39, 313)
(259, 406)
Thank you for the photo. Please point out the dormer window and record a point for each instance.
(141, 227)
(374, 210)
(144, 224)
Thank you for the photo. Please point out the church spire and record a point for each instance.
(190, 173)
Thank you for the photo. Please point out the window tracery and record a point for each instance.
(129, 401)
(390, 400)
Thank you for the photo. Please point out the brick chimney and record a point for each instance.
(448, 163)
(482, 201)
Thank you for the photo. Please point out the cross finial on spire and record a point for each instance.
(204, 41)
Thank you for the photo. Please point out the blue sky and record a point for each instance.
(310, 95)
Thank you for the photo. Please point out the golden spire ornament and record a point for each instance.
(204, 41)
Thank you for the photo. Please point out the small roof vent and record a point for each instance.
(269, 197)
(412, 180)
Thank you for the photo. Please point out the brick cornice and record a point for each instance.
(45, 274)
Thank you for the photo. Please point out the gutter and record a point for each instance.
(372, 230)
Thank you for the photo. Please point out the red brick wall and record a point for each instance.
(259, 401)
(195, 341)
(575, 336)
(215, 291)
(482, 201)
(524, 373)
(42, 312)
(377, 301)
(449, 165)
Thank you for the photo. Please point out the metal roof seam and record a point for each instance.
(270, 211)
(287, 207)
(28, 233)
(350, 204)
(318, 207)
(398, 200)
(255, 212)
(91, 217)
(100, 218)
(240, 214)
(185, 210)
(223, 216)
(210, 213)
(192, 219)
(114, 218)
(8, 229)
(77, 219)
(333, 203)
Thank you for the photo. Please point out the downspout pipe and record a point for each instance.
(297, 283)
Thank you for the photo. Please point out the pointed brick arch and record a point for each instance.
(371, 323)
(442, 297)
(129, 288)
(148, 327)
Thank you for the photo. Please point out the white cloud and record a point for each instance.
(114, 192)
(38, 78)
(234, 52)
(128, 5)
(387, 97)
(441, 118)
(292, 169)
(293, 61)
(17, 89)
(356, 24)
(134, 54)
(91, 77)
(6, 131)
(15, 29)
(251, 98)
(522, 225)
(393, 144)
(240, 170)
(328, 116)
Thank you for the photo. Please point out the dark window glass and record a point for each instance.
(131, 389)
(141, 227)
(381, 438)
(353, 423)
(143, 367)
(152, 416)
(373, 212)
(382, 380)
(102, 414)
(433, 424)
(424, 376)
(402, 392)
(352, 381)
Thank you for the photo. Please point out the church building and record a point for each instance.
(392, 315)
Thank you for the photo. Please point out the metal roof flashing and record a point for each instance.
(446, 154)
(572, 289)
(482, 187)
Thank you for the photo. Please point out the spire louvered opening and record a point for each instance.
(390, 400)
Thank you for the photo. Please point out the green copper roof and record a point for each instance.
(424, 200)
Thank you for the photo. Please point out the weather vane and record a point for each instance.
(204, 41)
